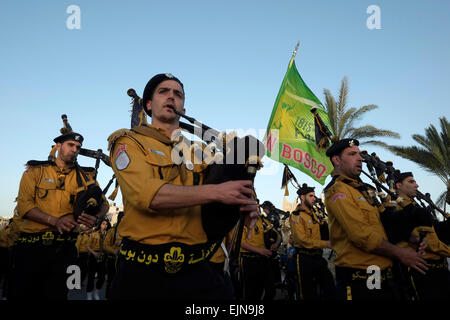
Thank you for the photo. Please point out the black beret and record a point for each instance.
(151, 86)
(304, 189)
(69, 136)
(402, 176)
(340, 145)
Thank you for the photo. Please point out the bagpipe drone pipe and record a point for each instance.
(410, 216)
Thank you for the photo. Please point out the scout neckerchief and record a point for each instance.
(156, 134)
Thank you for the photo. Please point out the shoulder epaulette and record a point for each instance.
(37, 163)
(116, 135)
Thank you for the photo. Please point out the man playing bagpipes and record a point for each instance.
(435, 283)
(357, 233)
(312, 268)
(54, 198)
(257, 272)
(165, 248)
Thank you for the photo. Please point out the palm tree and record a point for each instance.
(343, 119)
(432, 155)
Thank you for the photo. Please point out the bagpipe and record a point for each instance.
(319, 208)
(270, 234)
(228, 157)
(379, 170)
(271, 226)
(410, 216)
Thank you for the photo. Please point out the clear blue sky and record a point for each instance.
(231, 57)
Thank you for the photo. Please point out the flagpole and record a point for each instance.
(294, 54)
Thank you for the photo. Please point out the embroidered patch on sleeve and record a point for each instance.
(122, 160)
(121, 148)
(338, 196)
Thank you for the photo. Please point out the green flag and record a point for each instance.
(290, 135)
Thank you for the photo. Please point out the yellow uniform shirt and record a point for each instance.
(257, 238)
(109, 244)
(436, 249)
(41, 187)
(305, 230)
(95, 242)
(142, 164)
(82, 242)
(355, 226)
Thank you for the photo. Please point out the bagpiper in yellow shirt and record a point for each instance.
(142, 162)
(305, 229)
(355, 226)
(49, 189)
(436, 249)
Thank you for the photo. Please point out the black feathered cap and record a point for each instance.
(340, 145)
(402, 176)
(151, 86)
(304, 189)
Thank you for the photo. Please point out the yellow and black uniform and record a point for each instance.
(355, 230)
(83, 254)
(41, 253)
(435, 283)
(256, 269)
(111, 246)
(4, 258)
(312, 268)
(166, 248)
(96, 264)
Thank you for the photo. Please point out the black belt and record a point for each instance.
(309, 252)
(437, 264)
(252, 255)
(169, 257)
(353, 274)
(46, 238)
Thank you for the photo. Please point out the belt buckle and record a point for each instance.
(173, 260)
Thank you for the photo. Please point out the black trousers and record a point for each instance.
(315, 280)
(110, 273)
(82, 262)
(351, 287)
(40, 272)
(257, 277)
(98, 267)
(197, 282)
(435, 284)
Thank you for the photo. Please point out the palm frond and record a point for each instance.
(369, 131)
(331, 107)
